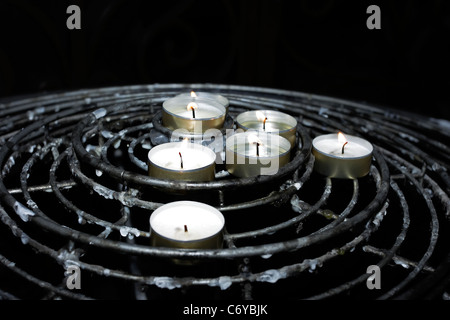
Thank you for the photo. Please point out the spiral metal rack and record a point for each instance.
(75, 192)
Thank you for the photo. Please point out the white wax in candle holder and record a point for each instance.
(269, 121)
(187, 224)
(197, 96)
(194, 156)
(340, 156)
(182, 161)
(195, 115)
(202, 111)
(253, 153)
(253, 146)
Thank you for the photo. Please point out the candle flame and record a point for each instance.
(192, 106)
(193, 94)
(260, 116)
(253, 139)
(342, 141)
(341, 138)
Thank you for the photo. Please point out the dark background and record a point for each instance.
(322, 47)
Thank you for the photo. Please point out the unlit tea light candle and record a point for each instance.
(187, 224)
(183, 161)
(342, 156)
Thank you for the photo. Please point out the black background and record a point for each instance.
(321, 47)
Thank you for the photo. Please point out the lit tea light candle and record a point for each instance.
(193, 113)
(339, 156)
(183, 161)
(192, 106)
(254, 153)
(187, 224)
(254, 140)
(269, 121)
(205, 96)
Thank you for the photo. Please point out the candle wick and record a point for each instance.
(264, 124)
(257, 149)
(181, 160)
(344, 146)
(185, 228)
(193, 112)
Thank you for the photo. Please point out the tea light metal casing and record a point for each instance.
(242, 159)
(277, 122)
(354, 163)
(164, 162)
(209, 114)
(187, 225)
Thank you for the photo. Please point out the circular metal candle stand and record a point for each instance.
(75, 191)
